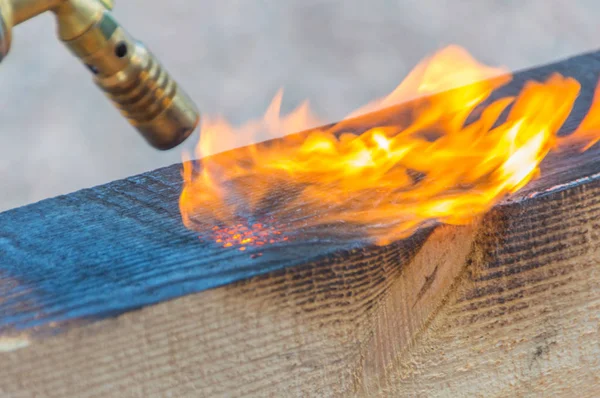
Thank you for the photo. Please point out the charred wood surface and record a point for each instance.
(506, 306)
(121, 246)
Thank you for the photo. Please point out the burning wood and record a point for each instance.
(365, 179)
(445, 310)
(243, 236)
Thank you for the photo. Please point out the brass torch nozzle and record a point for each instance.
(128, 73)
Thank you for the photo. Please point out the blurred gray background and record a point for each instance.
(59, 133)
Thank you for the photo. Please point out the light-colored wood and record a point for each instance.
(509, 306)
(525, 317)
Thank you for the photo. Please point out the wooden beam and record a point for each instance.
(505, 306)
(520, 317)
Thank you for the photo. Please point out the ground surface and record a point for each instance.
(59, 134)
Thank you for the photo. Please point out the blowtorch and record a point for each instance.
(127, 72)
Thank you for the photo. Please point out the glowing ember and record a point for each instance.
(388, 179)
(242, 236)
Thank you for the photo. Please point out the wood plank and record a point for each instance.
(509, 296)
(118, 247)
(521, 318)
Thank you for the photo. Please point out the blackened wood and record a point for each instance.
(121, 246)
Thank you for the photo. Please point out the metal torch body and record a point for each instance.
(126, 71)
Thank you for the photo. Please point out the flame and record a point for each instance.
(387, 180)
(587, 133)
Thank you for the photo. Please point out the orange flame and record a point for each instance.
(390, 178)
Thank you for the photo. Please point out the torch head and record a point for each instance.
(122, 67)
(6, 22)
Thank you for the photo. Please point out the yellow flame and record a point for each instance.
(389, 178)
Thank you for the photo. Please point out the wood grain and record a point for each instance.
(524, 319)
(506, 306)
(114, 248)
